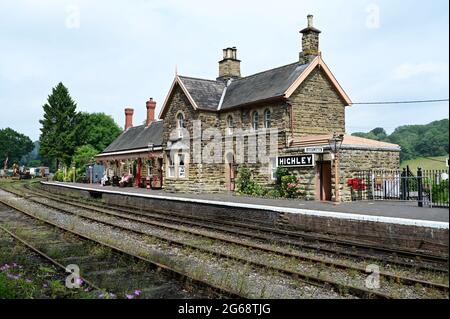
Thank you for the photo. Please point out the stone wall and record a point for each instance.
(379, 233)
(317, 107)
(354, 161)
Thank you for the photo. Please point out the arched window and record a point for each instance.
(180, 124)
(267, 118)
(255, 121)
(230, 125)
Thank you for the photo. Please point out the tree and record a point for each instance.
(98, 130)
(378, 134)
(84, 155)
(415, 140)
(13, 145)
(59, 137)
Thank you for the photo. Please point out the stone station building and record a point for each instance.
(208, 129)
(302, 102)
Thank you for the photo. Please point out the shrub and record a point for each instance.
(440, 192)
(70, 175)
(281, 171)
(273, 193)
(287, 185)
(59, 176)
(247, 185)
(290, 186)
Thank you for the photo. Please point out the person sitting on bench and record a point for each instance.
(105, 180)
(126, 181)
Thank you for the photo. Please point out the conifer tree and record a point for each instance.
(58, 139)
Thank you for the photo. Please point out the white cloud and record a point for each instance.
(409, 70)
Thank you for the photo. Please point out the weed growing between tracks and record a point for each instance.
(24, 275)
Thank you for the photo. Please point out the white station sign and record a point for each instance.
(296, 161)
(314, 150)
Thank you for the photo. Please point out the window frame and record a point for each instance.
(230, 124)
(267, 118)
(181, 123)
(273, 168)
(255, 121)
(170, 168)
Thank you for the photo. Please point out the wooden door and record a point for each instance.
(230, 173)
(324, 176)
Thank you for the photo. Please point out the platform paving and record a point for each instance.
(383, 209)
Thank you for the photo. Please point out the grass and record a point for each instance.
(426, 163)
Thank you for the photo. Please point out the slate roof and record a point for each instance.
(262, 86)
(206, 93)
(137, 137)
(273, 83)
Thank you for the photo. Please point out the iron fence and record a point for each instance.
(429, 188)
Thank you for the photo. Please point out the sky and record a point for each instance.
(113, 54)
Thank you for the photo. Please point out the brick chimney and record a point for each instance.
(128, 118)
(230, 66)
(310, 42)
(151, 106)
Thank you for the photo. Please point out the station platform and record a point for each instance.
(391, 212)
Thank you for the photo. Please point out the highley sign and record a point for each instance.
(306, 160)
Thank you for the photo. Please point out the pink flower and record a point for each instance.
(130, 296)
(137, 292)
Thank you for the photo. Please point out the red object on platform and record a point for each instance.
(138, 176)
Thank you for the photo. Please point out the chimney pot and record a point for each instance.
(128, 118)
(310, 21)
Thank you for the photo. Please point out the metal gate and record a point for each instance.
(429, 188)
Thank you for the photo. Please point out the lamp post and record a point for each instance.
(335, 145)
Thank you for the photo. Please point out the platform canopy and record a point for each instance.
(136, 142)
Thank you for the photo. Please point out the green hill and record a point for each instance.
(427, 163)
(416, 141)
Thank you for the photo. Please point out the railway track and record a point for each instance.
(109, 266)
(401, 258)
(46, 259)
(307, 278)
